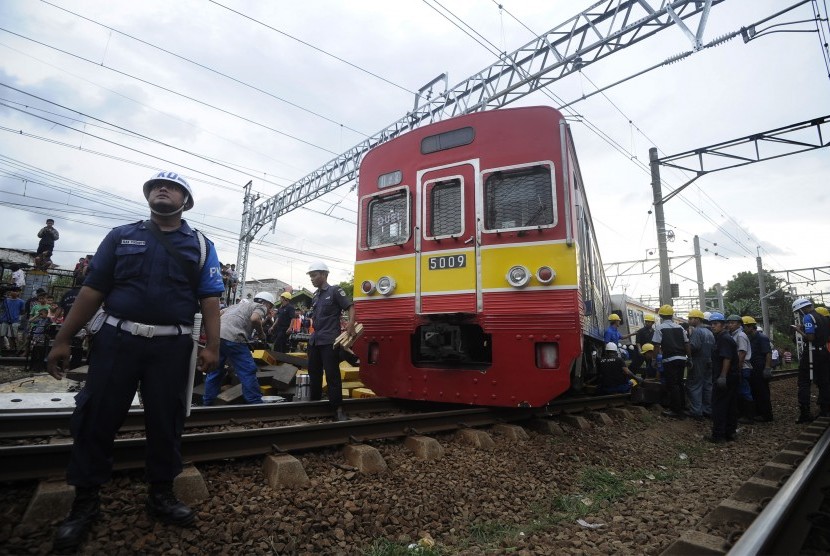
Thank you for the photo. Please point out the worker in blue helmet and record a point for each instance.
(726, 375)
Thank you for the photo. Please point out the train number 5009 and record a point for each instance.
(447, 261)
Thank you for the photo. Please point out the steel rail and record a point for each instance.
(23, 423)
(49, 460)
(762, 536)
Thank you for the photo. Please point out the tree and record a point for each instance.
(742, 297)
(348, 287)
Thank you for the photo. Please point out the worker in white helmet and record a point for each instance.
(328, 303)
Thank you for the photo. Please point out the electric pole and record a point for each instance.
(660, 220)
(701, 293)
(762, 289)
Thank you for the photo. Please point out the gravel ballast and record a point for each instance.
(636, 486)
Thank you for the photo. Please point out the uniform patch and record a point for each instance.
(133, 242)
(342, 293)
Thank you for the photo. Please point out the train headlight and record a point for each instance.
(386, 285)
(518, 276)
(547, 355)
(367, 287)
(545, 275)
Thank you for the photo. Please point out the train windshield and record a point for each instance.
(445, 208)
(388, 219)
(519, 198)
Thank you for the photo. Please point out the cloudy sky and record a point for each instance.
(97, 95)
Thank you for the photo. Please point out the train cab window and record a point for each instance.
(445, 209)
(519, 198)
(386, 218)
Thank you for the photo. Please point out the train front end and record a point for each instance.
(466, 276)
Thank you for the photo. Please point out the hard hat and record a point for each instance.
(317, 266)
(748, 320)
(286, 295)
(696, 314)
(706, 315)
(735, 318)
(647, 347)
(800, 303)
(614, 317)
(666, 311)
(170, 177)
(715, 316)
(648, 317)
(611, 346)
(823, 311)
(265, 296)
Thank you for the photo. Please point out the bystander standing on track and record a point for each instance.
(814, 365)
(673, 343)
(327, 304)
(761, 361)
(236, 325)
(152, 277)
(746, 405)
(699, 379)
(727, 375)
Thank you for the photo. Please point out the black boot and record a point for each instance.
(805, 416)
(339, 414)
(163, 505)
(85, 510)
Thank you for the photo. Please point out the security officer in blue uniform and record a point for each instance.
(326, 305)
(814, 365)
(150, 296)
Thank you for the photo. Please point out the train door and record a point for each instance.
(447, 241)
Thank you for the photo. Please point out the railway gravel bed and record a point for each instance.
(637, 485)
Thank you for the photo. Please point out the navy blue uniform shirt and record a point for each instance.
(325, 313)
(143, 283)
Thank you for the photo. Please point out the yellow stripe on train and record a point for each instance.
(496, 260)
(401, 268)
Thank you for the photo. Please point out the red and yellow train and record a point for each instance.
(477, 276)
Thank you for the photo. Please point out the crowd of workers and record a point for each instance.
(151, 282)
(717, 366)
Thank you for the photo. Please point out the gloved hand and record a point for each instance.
(767, 373)
(721, 382)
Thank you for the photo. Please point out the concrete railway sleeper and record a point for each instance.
(783, 509)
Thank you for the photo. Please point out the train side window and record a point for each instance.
(446, 208)
(519, 198)
(386, 218)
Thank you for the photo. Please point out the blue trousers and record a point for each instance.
(243, 363)
(699, 386)
(725, 407)
(821, 376)
(320, 358)
(119, 364)
(673, 373)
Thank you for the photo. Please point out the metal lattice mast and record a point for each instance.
(604, 28)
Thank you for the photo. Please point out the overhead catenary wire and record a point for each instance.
(207, 68)
(172, 91)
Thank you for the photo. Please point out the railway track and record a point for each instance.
(36, 461)
(783, 509)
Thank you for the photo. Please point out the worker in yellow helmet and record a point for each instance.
(761, 361)
(673, 342)
(699, 376)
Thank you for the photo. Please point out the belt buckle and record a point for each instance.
(146, 330)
